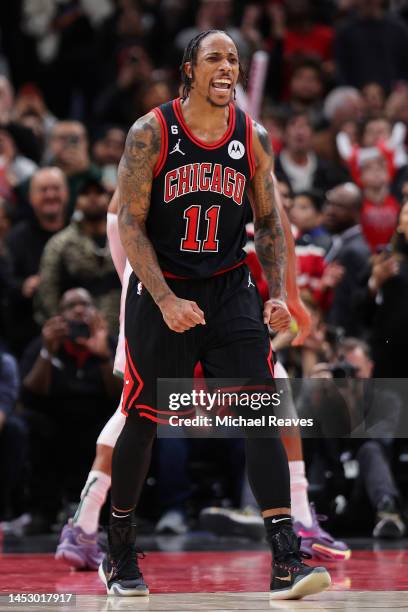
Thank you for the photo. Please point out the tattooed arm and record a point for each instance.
(270, 242)
(135, 178)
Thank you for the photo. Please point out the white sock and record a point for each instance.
(93, 497)
(298, 493)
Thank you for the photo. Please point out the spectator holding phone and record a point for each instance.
(68, 393)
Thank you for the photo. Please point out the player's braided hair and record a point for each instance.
(190, 55)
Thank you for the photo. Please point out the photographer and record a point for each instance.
(68, 393)
(358, 405)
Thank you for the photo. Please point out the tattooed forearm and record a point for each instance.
(135, 182)
(271, 251)
(270, 242)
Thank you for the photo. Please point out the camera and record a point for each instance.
(78, 330)
(342, 369)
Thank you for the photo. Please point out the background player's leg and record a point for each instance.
(315, 540)
(93, 495)
(293, 446)
(78, 546)
(98, 483)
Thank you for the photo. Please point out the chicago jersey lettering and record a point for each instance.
(198, 207)
(204, 177)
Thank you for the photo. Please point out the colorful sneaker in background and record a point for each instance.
(79, 549)
(317, 542)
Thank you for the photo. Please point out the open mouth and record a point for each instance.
(222, 85)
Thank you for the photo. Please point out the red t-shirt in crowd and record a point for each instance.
(379, 221)
(318, 41)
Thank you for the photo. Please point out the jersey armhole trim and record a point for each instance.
(164, 142)
(249, 147)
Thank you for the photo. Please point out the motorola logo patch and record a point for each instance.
(236, 149)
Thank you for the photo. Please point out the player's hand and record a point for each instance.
(53, 333)
(303, 319)
(276, 314)
(181, 315)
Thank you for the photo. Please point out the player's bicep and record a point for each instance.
(136, 169)
(262, 187)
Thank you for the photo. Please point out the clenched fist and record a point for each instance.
(180, 315)
(276, 314)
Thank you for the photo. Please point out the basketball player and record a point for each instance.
(182, 182)
(78, 546)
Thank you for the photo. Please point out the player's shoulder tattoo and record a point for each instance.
(143, 142)
(142, 150)
(263, 138)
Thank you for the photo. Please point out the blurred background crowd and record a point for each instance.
(74, 75)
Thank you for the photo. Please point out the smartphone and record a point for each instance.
(384, 248)
(76, 330)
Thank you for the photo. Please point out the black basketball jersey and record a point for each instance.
(198, 209)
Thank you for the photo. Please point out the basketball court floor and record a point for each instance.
(188, 573)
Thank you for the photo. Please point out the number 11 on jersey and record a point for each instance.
(191, 242)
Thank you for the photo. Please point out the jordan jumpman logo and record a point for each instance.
(176, 148)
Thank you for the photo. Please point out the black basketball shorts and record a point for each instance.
(234, 343)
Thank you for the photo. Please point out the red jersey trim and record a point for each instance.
(171, 275)
(197, 141)
(164, 145)
(249, 148)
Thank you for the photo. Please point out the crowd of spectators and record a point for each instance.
(74, 75)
